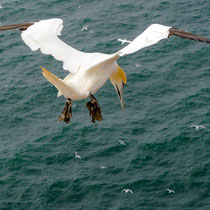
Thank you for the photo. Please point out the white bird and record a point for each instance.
(102, 167)
(84, 28)
(127, 190)
(197, 126)
(77, 155)
(138, 65)
(170, 191)
(123, 41)
(122, 142)
(88, 71)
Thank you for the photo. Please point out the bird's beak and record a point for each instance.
(118, 79)
(120, 94)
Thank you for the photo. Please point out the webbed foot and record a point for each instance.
(94, 109)
(66, 114)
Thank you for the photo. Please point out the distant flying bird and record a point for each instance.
(127, 190)
(170, 191)
(123, 41)
(138, 65)
(122, 142)
(88, 71)
(85, 28)
(197, 126)
(77, 155)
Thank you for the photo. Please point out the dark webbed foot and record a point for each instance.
(94, 108)
(66, 114)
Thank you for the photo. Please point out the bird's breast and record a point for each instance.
(89, 82)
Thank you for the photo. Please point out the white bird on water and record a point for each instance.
(88, 71)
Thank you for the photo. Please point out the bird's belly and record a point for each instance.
(89, 84)
(83, 89)
(95, 82)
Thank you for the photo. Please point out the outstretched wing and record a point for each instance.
(44, 34)
(153, 34)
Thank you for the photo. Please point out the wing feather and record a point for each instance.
(156, 32)
(153, 34)
(44, 34)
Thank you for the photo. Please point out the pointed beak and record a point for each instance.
(120, 95)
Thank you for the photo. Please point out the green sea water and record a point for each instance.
(168, 91)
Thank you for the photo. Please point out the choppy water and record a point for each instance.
(163, 98)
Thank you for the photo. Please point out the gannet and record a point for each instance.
(170, 191)
(197, 126)
(127, 190)
(123, 41)
(122, 142)
(85, 28)
(77, 155)
(88, 71)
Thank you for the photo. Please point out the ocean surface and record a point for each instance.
(150, 148)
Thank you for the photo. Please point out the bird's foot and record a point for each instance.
(66, 114)
(94, 109)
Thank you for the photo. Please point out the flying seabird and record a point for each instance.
(88, 71)
(85, 28)
(197, 126)
(127, 190)
(123, 41)
(77, 155)
(170, 191)
(122, 142)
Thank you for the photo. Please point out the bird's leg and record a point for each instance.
(94, 108)
(66, 114)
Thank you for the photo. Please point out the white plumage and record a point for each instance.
(44, 34)
(89, 70)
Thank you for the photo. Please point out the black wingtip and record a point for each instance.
(21, 26)
(187, 35)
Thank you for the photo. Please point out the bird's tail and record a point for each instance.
(118, 79)
(57, 82)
